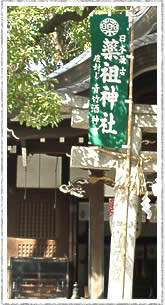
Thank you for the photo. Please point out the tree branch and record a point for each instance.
(57, 19)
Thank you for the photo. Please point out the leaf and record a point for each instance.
(31, 57)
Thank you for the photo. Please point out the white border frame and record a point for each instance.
(3, 160)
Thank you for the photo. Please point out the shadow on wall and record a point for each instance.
(145, 88)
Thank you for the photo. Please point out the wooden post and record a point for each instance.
(128, 163)
(96, 239)
(129, 203)
(73, 232)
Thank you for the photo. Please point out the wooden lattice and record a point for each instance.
(36, 248)
(36, 219)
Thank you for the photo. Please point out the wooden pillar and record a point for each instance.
(73, 231)
(62, 224)
(115, 287)
(96, 239)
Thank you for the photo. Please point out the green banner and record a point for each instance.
(109, 80)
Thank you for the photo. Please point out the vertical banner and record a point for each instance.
(109, 80)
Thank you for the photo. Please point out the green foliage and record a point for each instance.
(35, 100)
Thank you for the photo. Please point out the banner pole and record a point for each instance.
(128, 158)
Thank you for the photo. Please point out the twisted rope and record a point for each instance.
(138, 183)
(124, 155)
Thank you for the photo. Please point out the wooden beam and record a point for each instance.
(55, 149)
(149, 129)
(88, 158)
(73, 231)
(63, 130)
(50, 146)
(53, 146)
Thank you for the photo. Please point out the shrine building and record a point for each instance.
(64, 196)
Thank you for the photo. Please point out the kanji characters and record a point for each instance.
(97, 67)
(96, 88)
(110, 49)
(113, 50)
(122, 60)
(110, 66)
(95, 99)
(122, 71)
(122, 49)
(106, 125)
(95, 108)
(110, 97)
(97, 58)
(110, 73)
(122, 38)
(95, 119)
(96, 76)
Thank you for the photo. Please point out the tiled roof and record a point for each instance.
(147, 18)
